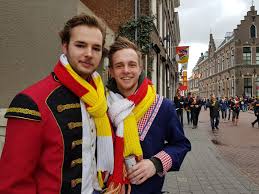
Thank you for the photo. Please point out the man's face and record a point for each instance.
(84, 50)
(125, 69)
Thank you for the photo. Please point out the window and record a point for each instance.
(257, 56)
(248, 86)
(253, 31)
(246, 55)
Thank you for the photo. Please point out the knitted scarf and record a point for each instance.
(124, 114)
(96, 106)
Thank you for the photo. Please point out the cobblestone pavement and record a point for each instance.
(240, 144)
(206, 169)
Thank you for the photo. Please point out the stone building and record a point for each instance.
(232, 67)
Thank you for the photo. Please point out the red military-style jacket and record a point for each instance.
(43, 145)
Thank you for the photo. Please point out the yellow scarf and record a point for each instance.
(96, 107)
(127, 139)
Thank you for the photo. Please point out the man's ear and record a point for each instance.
(64, 48)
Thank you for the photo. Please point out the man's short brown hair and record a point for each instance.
(123, 43)
(79, 20)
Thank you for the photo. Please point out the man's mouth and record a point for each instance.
(125, 78)
(86, 63)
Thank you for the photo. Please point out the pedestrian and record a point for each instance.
(204, 103)
(229, 103)
(214, 112)
(223, 107)
(195, 105)
(256, 112)
(235, 106)
(187, 103)
(146, 124)
(179, 105)
(52, 126)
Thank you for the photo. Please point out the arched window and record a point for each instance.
(253, 31)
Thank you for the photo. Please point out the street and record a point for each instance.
(226, 167)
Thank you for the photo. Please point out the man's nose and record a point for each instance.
(88, 52)
(126, 68)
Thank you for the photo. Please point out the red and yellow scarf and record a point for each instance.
(127, 139)
(96, 106)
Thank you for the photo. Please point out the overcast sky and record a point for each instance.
(198, 18)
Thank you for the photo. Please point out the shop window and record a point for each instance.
(248, 86)
(246, 55)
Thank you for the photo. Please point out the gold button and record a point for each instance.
(73, 145)
(73, 183)
(73, 163)
(60, 108)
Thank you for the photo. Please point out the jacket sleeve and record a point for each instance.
(176, 146)
(21, 150)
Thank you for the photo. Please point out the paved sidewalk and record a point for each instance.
(204, 170)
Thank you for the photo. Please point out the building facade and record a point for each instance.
(232, 67)
(159, 63)
(165, 36)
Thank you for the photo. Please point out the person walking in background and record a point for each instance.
(223, 107)
(214, 112)
(229, 103)
(245, 103)
(195, 106)
(179, 105)
(204, 103)
(187, 103)
(52, 126)
(256, 112)
(146, 125)
(235, 107)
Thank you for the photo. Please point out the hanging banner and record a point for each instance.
(182, 54)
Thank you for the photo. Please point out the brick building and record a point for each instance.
(232, 67)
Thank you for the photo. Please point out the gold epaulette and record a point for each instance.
(23, 107)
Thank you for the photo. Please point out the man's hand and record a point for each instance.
(141, 171)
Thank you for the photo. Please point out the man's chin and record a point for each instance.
(85, 74)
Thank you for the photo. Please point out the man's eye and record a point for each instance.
(80, 46)
(132, 64)
(97, 49)
(118, 66)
